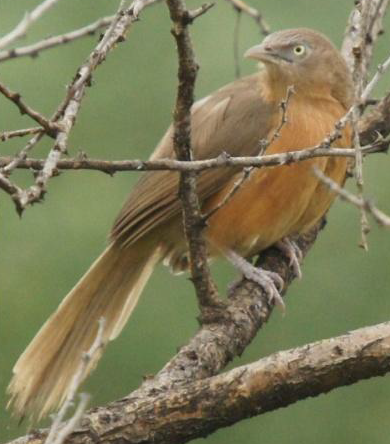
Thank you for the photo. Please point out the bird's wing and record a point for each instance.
(233, 119)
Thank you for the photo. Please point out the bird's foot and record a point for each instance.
(293, 252)
(270, 281)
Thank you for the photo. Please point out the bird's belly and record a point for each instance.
(277, 202)
(266, 208)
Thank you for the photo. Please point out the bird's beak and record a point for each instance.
(261, 52)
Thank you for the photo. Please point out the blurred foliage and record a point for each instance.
(123, 116)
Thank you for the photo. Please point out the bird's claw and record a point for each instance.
(293, 252)
(270, 281)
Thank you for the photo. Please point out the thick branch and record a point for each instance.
(189, 412)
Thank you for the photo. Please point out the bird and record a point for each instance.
(269, 207)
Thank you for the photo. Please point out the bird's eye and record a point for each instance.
(299, 50)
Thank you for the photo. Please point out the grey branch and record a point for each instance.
(66, 114)
(5, 135)
(241, 6)
(51, 128)
(112, 166)
(34, 49)
(22, 27)
(358, 201)
(365, 23)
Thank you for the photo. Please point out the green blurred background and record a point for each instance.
(122, 117)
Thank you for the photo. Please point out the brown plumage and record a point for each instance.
(271, 204)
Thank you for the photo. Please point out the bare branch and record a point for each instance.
(58, 431)
(50, 128)
(34, 49)
(376, 12)
(223, 160)
(241, 6)
(375, 128)
(236, 186)
(195, 13)
(192, 218)
(365, 24)
(65, 116)
(13, 190)
(381, 69)
(361, 100)
(199, 408)
(263, 145)
(138, 5)
(14, 163)
(359, 74)
(5, 135)
(30, 17)
(359, 201)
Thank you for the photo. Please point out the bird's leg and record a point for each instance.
(293, 252)
(270, 281)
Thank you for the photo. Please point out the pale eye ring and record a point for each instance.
(299, 50)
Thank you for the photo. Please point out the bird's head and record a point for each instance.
(305, 59)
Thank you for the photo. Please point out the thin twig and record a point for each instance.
(359, 74)
(65, 115)
(138, 5)
(364, 26)
(50, 128)
(377, 10)
(236, 186)
(263, 145)
(34, 49)
(6, 185)
(358, 201)
(283, 120)
(30, 17)
(359, 101)
(14, 163)
(289, 157)
(236, 46)
(6, 135)
(59, 431)
(195, 13)
(240, 5)
(381, 69)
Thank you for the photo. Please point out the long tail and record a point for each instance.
(110, 288)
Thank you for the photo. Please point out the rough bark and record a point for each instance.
(189, 411)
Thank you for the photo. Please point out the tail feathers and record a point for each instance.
(110, 289)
